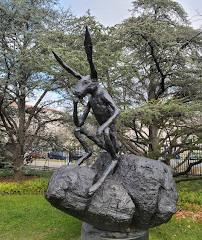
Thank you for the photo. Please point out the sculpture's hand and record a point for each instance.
(99, 131)
(75, 100)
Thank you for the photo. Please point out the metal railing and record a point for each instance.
(54, 159)
(178, 164)
(186, 159)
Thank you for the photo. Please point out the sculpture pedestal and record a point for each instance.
(88, 232)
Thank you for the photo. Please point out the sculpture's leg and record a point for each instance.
(104, 176)
(93, 137)
(78, 134)
(111, 149)
(109, 144)
(114, 139)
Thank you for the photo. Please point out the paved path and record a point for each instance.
(47, 164)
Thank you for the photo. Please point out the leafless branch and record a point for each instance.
(188, 168)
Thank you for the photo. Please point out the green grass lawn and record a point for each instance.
(31, 217)
(178, 229)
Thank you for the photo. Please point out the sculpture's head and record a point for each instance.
(86, 84)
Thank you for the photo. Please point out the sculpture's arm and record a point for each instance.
(107, 98)
(80, 122)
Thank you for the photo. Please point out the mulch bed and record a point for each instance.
(11, 179)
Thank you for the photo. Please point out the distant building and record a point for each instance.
(49, 129)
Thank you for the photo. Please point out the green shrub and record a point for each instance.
(30, 187)
(40, 173)
(6, 172)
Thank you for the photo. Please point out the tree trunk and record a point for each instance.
(153, 141)
(153, 130)
(18, 163)
(19, 151)
(18, 173)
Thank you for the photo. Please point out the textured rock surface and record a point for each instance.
(111, 204)
(140, 194)
(68, 189)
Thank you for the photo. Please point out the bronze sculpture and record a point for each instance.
(141, 192)
(104, 110)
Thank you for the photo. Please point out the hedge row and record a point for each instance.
(188, 192)
(30, 187)
(27, 172)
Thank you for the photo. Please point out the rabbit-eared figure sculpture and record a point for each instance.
(104, 110)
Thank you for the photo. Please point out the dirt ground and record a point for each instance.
(10, 179)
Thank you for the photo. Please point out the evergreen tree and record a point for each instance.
(163, 54)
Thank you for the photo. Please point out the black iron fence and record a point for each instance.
(52, 159)
(55, 159)
(185, 160)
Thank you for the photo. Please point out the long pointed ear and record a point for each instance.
(89, 49)
(67, 68)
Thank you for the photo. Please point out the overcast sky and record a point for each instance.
(111, 12)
